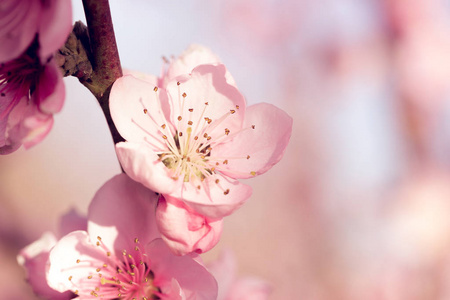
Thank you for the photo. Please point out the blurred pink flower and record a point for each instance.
(121, 254)
(31, 87)
(232, 288)
(34, 258)
(193, 138)
(183, 229)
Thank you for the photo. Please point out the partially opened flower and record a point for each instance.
(183, 229)
(194, 138)
(31, 87)
(121, 255)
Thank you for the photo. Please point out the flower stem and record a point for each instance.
(104, 57)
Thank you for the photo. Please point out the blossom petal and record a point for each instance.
(264, 145)
(18, 26)
(76, 246)
(144, 166)
(34, 259)
(194, 279)
(121, 211)
(138, 111)
(209, 95)
(55, 26)
(51, 91)
(214, 200)
(183, 230)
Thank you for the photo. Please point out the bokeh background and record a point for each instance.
(359, 207)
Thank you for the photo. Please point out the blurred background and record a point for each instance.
(359, 207)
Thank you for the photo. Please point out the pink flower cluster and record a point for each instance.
(190, 137)
(31, 87)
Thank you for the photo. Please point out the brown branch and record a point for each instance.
(104, 56)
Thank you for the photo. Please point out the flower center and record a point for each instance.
(19, 77)
(187, 143)
(127, 277)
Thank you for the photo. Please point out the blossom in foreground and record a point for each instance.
(194, 138)
(121, 256)
(233, 288)
(34, 258)
(31, 87)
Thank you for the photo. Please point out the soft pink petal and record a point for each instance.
(144, 166)
(121, 211)
(72, 221)
(265, 144)
(152, 79)
(138, 111)
(35, 128)
(183, 230)
(51, 91)
(206, 84)
(194, 279)
(55, 26)
(34, 258)
(63, 262)
(212, 200)
(18, 26)
(192, 57)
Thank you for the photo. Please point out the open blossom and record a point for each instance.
(193, 138)
(31, 87)
(233, 288)
(121, 256)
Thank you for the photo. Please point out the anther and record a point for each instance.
(89, 277)
(184, 95)
(227, 191)
(199, 187)
(205, 135)
(195, 138)
(227, 131)
(248, 156)
(232, 111)
(253, 126)
(164, 137)
(136, 240)
(78, 261)
(70, 278)
(180, 134)
(253, 173)
(163, 126)
(206, 103)
(178, 83)
(179, 118)
(237, 106)
(190, 123)
(145, 110)
(191, 109)
(217, 180)
(225, 162)
(155, 88)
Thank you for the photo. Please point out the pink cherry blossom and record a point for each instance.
(233, 288)
(183, 229)
(34, 257)
(31, 87)
(121, 255)
(193, 138)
